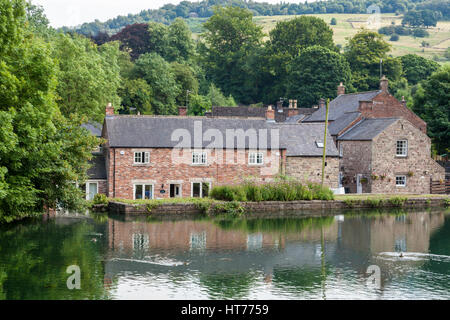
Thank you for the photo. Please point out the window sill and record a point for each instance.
(256, 164)
(199, 164)
(397, 156)
(142, 164)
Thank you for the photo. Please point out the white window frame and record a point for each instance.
(146, 159)
(255, 156)
(199, 158)
(400, 185)
(201, 189)
(88, 182)
(143, 190)
(404, 148)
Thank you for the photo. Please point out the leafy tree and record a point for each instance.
(37, 21)
(432, 104)
(41, 152)
(394, 37)
(216, 98)
(315, 73)
(135, 39)
(180, 46)
(136, 97)
(291, 36)
(416, 68)
(363, 53)
(186, 81)
(158, 74)
(198, 105)
(230, 37)
(88, 76)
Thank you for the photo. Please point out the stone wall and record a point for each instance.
(230, 167)
(418, 166)
(310, 169)
(357, 159)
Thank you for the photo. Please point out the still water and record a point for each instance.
(277, 258)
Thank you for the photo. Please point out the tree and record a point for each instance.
(198, 105)
(89, 76)
(315, 73)
(432, 104)
(42, 153)
(230, 37)
(291, 36)
(416, 68)
(333, 21)
(136, 97)
(186, 81)
(364, 52)
(180, 46)
(217, 99)
(157, 73)
(135, 39)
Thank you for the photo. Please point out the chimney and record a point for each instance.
(384, 84)
(295, 104)
(340, 89)
(109, 109)
(290, 103)
(270, 114)
(403, 101)
(182, 111)
(279, 105)
(321, 103)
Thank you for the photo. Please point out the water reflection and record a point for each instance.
(279, 258)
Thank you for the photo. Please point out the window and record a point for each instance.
(402, 148)
(198, 241)
(319, 144)
(143, 191)
(175, 190)
(255, 158)
(200, 189)
(198, 157)
(91, 190)
(142, 157)
(140, 241)
(400, 181)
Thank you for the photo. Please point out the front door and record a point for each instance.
(175, 191)
(358, 183)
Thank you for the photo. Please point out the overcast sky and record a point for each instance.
(75, 12)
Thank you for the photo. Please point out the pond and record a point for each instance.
(347, 255)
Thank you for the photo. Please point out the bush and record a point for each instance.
(333, 21)
(275, 191)
(100, 198)
(394, 37)
(420, 33)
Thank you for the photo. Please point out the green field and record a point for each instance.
(349, 24)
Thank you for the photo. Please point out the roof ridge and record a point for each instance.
(354, 93)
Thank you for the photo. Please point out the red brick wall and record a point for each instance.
(384, 105)
(162, 170)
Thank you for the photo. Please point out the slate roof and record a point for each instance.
(252, 112)
(342, 122)
(157, 132)
(94, 128)
(97, 171)
(367, 129)
(342, 104)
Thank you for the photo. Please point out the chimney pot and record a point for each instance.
(279, 105)
(384, 84)
(290, 103)
(322, 102)
(270, 114)
(109, 109)
(340, 89)
(182, 111)
(295, 104)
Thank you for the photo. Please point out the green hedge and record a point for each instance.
(277, 191)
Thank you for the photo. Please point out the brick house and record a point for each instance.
(181, 156)
(382, 144)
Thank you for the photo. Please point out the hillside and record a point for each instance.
(349, 24)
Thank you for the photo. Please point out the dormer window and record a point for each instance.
(402, 148)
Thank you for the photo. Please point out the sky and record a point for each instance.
(75, 12)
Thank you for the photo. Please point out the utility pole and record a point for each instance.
(381, 68)
(325, 142)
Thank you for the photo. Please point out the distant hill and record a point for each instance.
(204, 9)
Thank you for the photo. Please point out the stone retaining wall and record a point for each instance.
(315, 206)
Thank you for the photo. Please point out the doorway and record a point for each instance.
(358, 183)
(175, 190)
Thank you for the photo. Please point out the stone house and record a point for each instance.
(181, 156)
(382, 144)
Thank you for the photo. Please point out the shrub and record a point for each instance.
(333, 21)
(420, 33)
(100, 198)
(394, 37)
(397, 201)
(275, 191)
